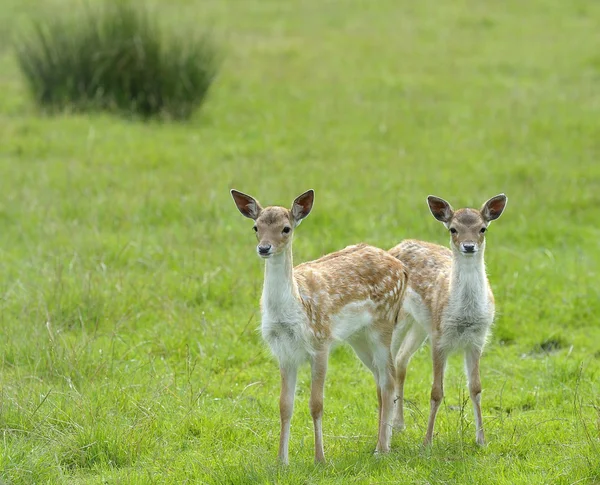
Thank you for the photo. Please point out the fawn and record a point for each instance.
(449, 300)
(353, 295)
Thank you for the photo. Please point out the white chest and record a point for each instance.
(469, 314)
(284, 328)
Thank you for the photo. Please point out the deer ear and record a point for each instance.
(493, 208)
(247, 205)
(440, 209)
(302, 206)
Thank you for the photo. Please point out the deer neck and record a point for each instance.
(468, 281)
(280, 289)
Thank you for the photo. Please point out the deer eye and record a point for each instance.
(286, 230)
(255, 229)
(453, 231)
(483, 229)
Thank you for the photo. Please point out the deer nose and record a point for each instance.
(264, 248)
(468, 247)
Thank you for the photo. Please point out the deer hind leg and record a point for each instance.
(318, 371)
(472, 357)
(366, 350)
(412, 341)
(286, 408)
(384, 375)
(386, 406)
(437, 389)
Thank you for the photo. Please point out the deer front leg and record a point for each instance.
(472, 357)
(318, 371)
(286, 408)
(437, 390)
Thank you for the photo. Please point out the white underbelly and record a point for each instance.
(417, 308)
(352, 318)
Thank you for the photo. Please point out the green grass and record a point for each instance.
(129, 285)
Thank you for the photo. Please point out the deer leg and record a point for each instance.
(472, 357)
(385, 386)
(286, 408)
(437, 389)
(413, 340)
(318, 370)
(365, 350)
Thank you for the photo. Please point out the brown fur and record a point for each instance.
(356, 273)
(428, 267)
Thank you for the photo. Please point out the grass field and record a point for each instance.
(129, 283)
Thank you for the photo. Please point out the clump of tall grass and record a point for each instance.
(116, 57)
